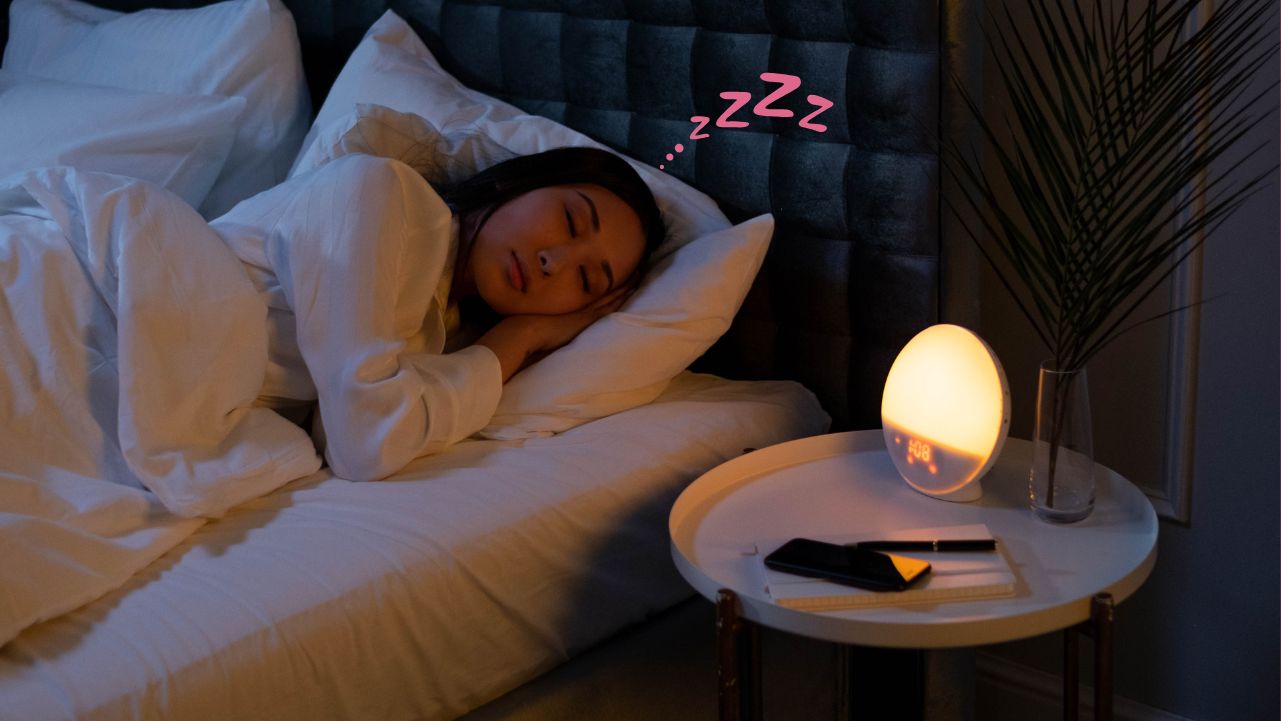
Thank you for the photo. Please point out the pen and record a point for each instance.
(978, 544)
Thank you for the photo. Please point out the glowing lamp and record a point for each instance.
(945, 411)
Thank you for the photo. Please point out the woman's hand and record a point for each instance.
(553, 331)
(519, 338)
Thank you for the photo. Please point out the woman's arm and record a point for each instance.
(359, 259)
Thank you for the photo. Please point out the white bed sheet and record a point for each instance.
(422, 596)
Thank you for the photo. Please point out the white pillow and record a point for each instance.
(441, 157)
(627, 358)
(624, 360)
(179, 142)
(242, 48)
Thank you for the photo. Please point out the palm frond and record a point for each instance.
(1111, 117)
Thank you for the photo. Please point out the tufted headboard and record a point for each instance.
(857, 264)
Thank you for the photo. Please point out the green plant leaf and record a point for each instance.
(1103, 177)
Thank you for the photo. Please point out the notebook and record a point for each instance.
(954, 576)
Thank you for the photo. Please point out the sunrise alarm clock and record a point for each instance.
(945, 412)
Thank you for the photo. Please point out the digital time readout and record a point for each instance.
(918, 450)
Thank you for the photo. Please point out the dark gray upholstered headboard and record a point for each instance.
(854, 269)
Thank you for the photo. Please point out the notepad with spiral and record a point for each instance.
(954, 576)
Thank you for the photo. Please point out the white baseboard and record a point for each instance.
(1009, 691)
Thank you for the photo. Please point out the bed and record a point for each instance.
(443, 591)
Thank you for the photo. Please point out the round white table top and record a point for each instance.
(845, 483)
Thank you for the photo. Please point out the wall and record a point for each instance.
(1200, 640)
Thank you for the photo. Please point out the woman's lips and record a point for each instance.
(516, 273)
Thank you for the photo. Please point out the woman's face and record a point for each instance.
(555, 250)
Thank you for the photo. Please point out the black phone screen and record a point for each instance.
(848, 565)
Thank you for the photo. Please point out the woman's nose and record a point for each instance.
(551, 260)
(546, 262)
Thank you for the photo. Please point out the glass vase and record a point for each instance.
(1061, 482)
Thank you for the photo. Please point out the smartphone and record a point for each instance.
(847, 565)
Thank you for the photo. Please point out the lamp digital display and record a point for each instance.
(918, 450)
(945, 411)
(929, 466)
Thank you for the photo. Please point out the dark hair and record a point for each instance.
(489, 189)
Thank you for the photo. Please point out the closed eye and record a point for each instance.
(582, 272)
(573, 232)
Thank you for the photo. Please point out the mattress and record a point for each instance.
(422, 596)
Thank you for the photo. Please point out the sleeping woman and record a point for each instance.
(364, 267)
(136, 369)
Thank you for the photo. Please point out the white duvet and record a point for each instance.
(419, 597)
(132, 348)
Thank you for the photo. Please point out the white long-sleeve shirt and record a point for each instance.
(354, 261)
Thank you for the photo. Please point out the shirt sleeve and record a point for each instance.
(359, 257)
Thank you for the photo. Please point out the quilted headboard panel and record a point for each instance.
(854, 269)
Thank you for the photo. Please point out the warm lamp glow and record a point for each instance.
(945, 412)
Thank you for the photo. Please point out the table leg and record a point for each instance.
(752, 657)
(1098, 627)
(728, 632)
(1102, 612)
(1071, 677)
(844, 666)
(738, 668)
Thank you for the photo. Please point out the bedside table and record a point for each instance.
(1067, 576)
